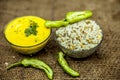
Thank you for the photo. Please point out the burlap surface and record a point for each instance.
(104, 64)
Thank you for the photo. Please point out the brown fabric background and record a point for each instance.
(104, 64)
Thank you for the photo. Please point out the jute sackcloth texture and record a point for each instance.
(104, 64)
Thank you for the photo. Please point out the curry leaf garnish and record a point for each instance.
(31, 29)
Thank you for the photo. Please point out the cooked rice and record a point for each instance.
(83, 35)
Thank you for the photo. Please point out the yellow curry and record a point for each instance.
(27, 34)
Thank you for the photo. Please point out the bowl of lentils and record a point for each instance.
(80, 39)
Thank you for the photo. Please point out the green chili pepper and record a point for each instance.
(56, 24)
(73, 17)
(36, 64)
(63, 63)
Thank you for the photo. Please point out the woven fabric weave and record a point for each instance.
(104, 64)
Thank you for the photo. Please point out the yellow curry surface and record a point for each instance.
(15, 31)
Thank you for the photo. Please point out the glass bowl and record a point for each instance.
(78, 53)
(29, 50)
